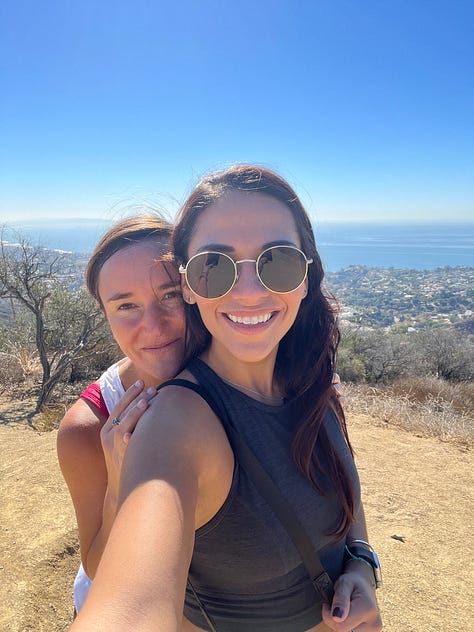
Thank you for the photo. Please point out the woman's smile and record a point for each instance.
(161, 347)
(250, 319)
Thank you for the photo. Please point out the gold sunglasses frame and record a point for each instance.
(184, 269)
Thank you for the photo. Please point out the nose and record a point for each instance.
(248, 285)
(155, 318)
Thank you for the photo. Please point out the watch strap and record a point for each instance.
(369, 557)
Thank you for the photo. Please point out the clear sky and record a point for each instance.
(366, 106)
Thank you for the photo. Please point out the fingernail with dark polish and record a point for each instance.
(337, 612)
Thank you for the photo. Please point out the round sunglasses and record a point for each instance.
(280, 269)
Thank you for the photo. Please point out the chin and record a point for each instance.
(251, 354)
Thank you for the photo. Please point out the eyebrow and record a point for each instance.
(120, 296)
(224, 248)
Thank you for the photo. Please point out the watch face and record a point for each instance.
(367, 555)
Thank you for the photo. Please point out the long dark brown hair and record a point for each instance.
(306, 355)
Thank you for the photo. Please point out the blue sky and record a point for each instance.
(366, 106)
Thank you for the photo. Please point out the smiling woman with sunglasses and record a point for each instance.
(195, 530)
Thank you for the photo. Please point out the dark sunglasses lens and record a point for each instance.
(210, 274)
(282, 269)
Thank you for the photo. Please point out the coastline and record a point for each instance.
(418, 246)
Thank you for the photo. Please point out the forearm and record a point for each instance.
(358, 544)
(358, 531)
(91, 558)
(141, 578)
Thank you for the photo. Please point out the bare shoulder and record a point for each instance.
(179, 438)
(178, 411)
(79, 430)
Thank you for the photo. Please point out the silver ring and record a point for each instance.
(115, 421)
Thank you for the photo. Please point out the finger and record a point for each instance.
(335, 624)
(127, 398)
(132, 415)
(132, 407)
(341, 601)
(363, 616)
(339, 389)
(341, 398)
(127, 402)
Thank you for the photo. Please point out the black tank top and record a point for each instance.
(245, 568)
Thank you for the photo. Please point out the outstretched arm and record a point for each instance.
(90, 458)
(174, 461)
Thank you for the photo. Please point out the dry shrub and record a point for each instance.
(48, 419)
(10, 371)
(429, 412)
(423, 389)
(18, 369)
(92, 362)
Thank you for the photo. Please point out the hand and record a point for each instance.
(115, 436)
(339, 388)
(354, 606)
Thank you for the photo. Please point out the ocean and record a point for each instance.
(418, 246)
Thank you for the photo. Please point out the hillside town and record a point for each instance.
(396, 299)
(404, 300)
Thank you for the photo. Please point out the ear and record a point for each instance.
(304, 289)
(188, 296)
(101, 309)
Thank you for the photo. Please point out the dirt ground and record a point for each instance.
(415, 488)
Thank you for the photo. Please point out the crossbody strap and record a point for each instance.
(321, 581)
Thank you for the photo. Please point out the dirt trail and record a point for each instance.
(415, 487)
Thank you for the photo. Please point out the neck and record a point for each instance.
(253, 378)
(265, 399)
(129, 375)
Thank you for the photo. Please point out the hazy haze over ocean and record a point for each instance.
(419, 246)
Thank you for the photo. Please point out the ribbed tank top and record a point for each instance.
(245, 568)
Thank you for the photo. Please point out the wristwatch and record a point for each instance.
(362, 551)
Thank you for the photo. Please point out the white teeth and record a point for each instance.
(250, 320)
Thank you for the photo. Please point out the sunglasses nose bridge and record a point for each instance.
(254, 271)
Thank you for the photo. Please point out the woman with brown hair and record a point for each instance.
(193, 531)
(137, 286)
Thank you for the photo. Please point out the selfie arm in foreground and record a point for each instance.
(141, 579)
(90, 458)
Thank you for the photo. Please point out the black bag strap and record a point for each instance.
(321, 581)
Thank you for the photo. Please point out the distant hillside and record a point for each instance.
(399, 299)
(404, 299)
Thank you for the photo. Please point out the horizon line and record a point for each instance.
(103, 220)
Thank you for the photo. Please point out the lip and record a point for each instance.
(162, 347)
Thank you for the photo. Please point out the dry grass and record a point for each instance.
(49, 417)
(459, 394)
(413, 486)
(421, 405)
